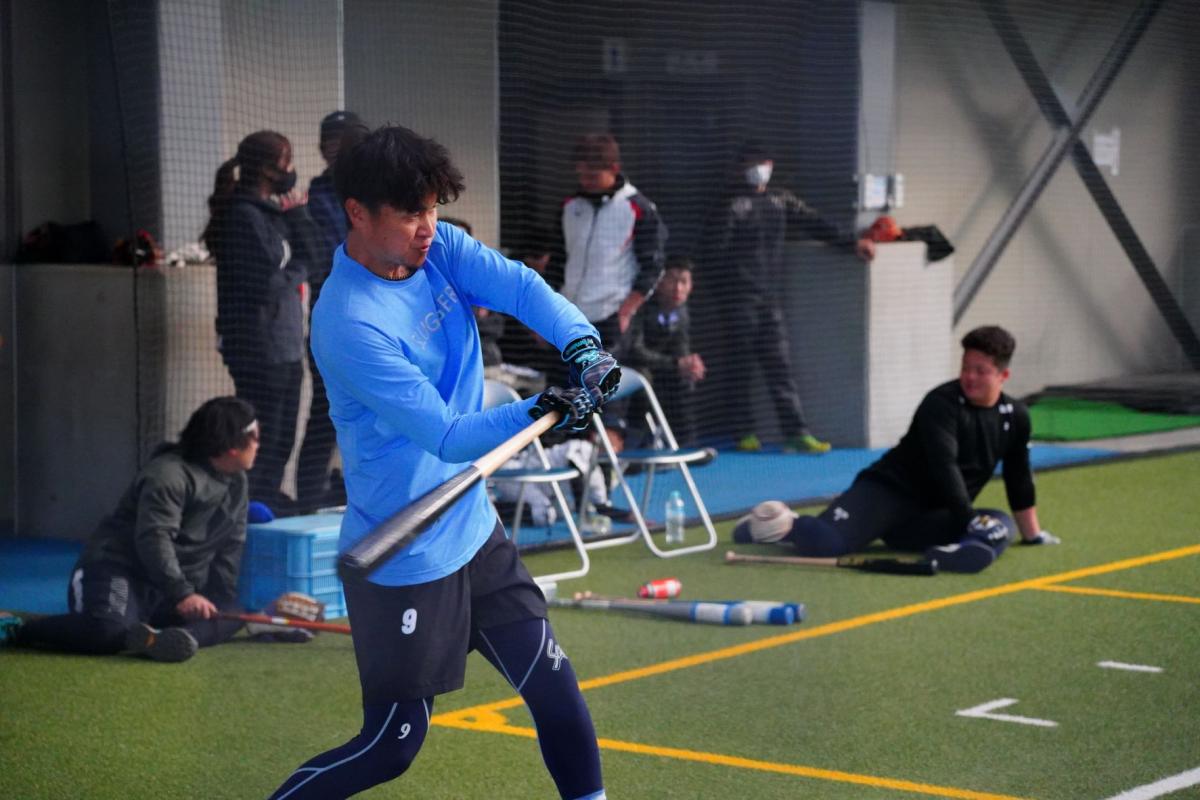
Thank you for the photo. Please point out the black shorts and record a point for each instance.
(412, 641)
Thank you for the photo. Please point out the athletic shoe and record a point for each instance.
(966, 557)
(171, 645)
(10, 627)
(806, 443)
(749, 444)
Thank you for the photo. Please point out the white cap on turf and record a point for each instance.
(769, 521)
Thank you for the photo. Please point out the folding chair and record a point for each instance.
(496, 393)
(667, 456)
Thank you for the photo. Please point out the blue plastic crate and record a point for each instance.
(294, 554)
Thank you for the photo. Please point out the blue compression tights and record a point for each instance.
(528, 655)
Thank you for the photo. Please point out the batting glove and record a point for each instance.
(592, 369)
(1043, 537)
(574, 403)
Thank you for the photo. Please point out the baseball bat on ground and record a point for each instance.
(771, 612)
(689, 611)
(893, 566)
(398, 530)
(287, 622)
(762, 612)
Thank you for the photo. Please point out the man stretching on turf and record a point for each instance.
(919, 495)
(395, 338)
(158, 570)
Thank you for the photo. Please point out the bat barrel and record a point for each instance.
(395, 532)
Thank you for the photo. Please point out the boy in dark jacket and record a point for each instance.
(660, 344)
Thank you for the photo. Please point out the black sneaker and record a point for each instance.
(170, 645)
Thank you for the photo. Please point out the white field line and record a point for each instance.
(984, 711)
(1128, 667)
(1157, 789)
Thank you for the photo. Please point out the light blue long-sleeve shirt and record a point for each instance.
(404, 374)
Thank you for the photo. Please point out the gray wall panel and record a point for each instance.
(968, 134)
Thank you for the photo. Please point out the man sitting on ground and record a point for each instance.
(919, 495)
(159, 570)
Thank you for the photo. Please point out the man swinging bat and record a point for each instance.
(919, 495)
(395, 339)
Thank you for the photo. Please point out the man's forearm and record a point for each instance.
(1027, 522)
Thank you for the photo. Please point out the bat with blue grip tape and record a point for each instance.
(762, 612)
(686, 610)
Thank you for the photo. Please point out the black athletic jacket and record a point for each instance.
(752, 236)
(952, 448)
(263, 254)
(658, 339)
(181, 527)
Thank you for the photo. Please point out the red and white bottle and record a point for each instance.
(660, 589)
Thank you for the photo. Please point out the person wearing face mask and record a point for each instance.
(262, 239)
(750, 249)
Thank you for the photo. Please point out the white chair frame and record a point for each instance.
(497, 393)
(671, 457)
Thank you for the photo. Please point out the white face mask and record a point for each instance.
(758, 175)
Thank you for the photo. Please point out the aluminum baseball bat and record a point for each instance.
(691, 611)
(398, 530)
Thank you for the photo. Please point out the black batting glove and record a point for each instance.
(574, 403)
(592, 369)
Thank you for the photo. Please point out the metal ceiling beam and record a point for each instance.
(1066, 134)
(1047, 99)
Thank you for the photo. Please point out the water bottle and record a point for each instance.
(674, 516)
(595, 523)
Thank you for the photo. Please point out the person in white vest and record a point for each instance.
(615, 246)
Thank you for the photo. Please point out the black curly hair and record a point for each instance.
(221, 424)
(397, 167)
(994, 341)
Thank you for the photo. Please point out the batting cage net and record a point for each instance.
(784, 213)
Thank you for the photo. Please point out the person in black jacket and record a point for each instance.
(315, 485)
(757, 220)
(919, 495)
(660, 343)
(262, 238)
(156, 573)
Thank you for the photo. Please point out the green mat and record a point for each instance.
(1066, 419)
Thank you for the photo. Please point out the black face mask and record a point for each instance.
(284, 183)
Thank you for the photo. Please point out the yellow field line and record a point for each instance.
(487, 710)
(1166, 598)
(721, 760)
(487, 718)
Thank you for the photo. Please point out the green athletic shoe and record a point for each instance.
(170, 645)
(10, 626)
(806, 443)
(749, 444)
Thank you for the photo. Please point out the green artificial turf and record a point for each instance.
(1066, 419)
(876, 700)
